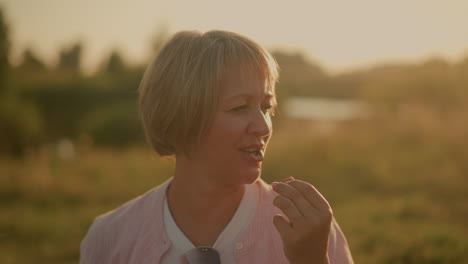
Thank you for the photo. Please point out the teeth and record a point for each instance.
(251, 150)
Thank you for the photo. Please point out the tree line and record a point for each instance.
(40, 104)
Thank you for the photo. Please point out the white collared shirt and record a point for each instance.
(225, 243)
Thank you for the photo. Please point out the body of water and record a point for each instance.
(324, 109)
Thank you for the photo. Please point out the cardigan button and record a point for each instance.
(239, 245)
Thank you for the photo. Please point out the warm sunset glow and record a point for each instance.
(339, 35)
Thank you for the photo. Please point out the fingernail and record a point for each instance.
(273, 184)
(290, 178)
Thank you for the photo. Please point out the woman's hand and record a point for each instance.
(305, 230)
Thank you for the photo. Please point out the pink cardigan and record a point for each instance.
(135, 233)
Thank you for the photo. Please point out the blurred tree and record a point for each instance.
(295, 64)
(298, 76)
(4, 52)
(116, 125)
(31, 62)
(433, 84)
(115, 65)
(70, 59)
(463, 67)
(21, 126)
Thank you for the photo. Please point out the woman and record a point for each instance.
(207, 100)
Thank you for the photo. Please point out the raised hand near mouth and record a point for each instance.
(305, 225)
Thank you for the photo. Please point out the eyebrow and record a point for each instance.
(268, 96)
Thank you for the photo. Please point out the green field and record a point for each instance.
(398, 187)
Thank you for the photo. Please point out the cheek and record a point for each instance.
(229, 127)
(223, 135)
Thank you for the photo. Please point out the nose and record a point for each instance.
(260, 124)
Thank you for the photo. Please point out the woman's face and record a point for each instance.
(234, 147)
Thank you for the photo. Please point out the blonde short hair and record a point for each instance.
(180, 89)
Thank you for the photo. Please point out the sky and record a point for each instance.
(338, 35)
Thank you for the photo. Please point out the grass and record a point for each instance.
(397, 185)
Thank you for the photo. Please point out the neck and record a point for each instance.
(202, 196)
(201, 207)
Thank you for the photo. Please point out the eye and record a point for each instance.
(267, 108)
(239, 108)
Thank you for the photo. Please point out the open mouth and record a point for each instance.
(255, 153)
(252, 151)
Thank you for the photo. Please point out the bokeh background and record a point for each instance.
(373, 111)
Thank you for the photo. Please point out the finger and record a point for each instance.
(283, 226)
(302, 204)
(289, 209)
(312, 195)
(288, 179)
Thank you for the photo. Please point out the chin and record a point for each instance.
(252, 177)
